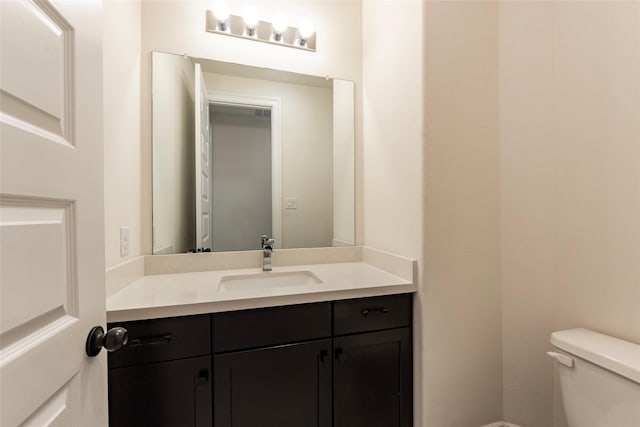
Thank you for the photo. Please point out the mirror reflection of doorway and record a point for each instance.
(241, 208)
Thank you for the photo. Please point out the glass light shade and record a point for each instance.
(306, 28)
(220, 9)
(279, 23)
(250, 16)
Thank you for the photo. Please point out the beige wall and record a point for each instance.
(461, 289)
(392, 126)
(570, 186)
(178, 27)
(392, 153)
(121, 85)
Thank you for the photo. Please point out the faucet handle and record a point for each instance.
(267, 241)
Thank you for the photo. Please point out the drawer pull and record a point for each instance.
(154, 340)
(340, 355)
(366, 311)
(323, 355)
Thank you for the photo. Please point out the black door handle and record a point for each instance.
(113, 340)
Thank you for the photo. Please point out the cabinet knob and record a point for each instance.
(113, 340)
(203, 377)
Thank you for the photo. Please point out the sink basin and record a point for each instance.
(269, 280)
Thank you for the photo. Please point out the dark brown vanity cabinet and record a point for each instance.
(372, 379)
(162, 377)
(272, 367)
(373, 372)
(343, 363)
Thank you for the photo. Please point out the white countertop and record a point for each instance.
(182, 294)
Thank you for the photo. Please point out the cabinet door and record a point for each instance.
(176, 393)
(373, 379)
(283, 386)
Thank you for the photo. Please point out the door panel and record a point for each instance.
(51, 213)
(56, 410)
(47, 42)
(48, 225)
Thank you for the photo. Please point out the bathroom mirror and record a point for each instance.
(240, 151)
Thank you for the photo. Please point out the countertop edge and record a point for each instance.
(146, 313)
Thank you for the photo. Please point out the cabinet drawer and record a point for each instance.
(264, 327)
(163, 339)
(371, 314)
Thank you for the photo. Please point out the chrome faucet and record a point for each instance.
(267, 249)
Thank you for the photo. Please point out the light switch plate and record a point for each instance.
(291, 203)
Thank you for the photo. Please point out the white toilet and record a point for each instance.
(599, 378)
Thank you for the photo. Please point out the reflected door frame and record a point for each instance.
(275, 105)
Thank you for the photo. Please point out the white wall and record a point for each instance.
(179, 27)
(174, 212)
(307, 171)
(393, 145)
(343, 163)
(431, 192)
(570, 178)
(121, 87)
(461, 284)
(392, 126)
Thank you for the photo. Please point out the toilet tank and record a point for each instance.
(599, 378)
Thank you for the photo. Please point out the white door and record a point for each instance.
(51, 213)
(203, 168)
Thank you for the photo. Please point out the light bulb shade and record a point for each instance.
(220, 10)
(250, 16)
(306, 28)
(279, 23)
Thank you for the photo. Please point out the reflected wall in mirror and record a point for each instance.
(242, 151)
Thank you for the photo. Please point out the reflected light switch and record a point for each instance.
(291, 203)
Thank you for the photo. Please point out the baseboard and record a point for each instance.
(338, 242)
(501, 424)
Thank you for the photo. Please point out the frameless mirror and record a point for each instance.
(239, 152)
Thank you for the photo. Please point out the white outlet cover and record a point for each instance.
(124, 241)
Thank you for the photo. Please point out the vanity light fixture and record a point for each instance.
(250, 16)
(280, 25)
(220, 10)
(306, 30)
(249, 26)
